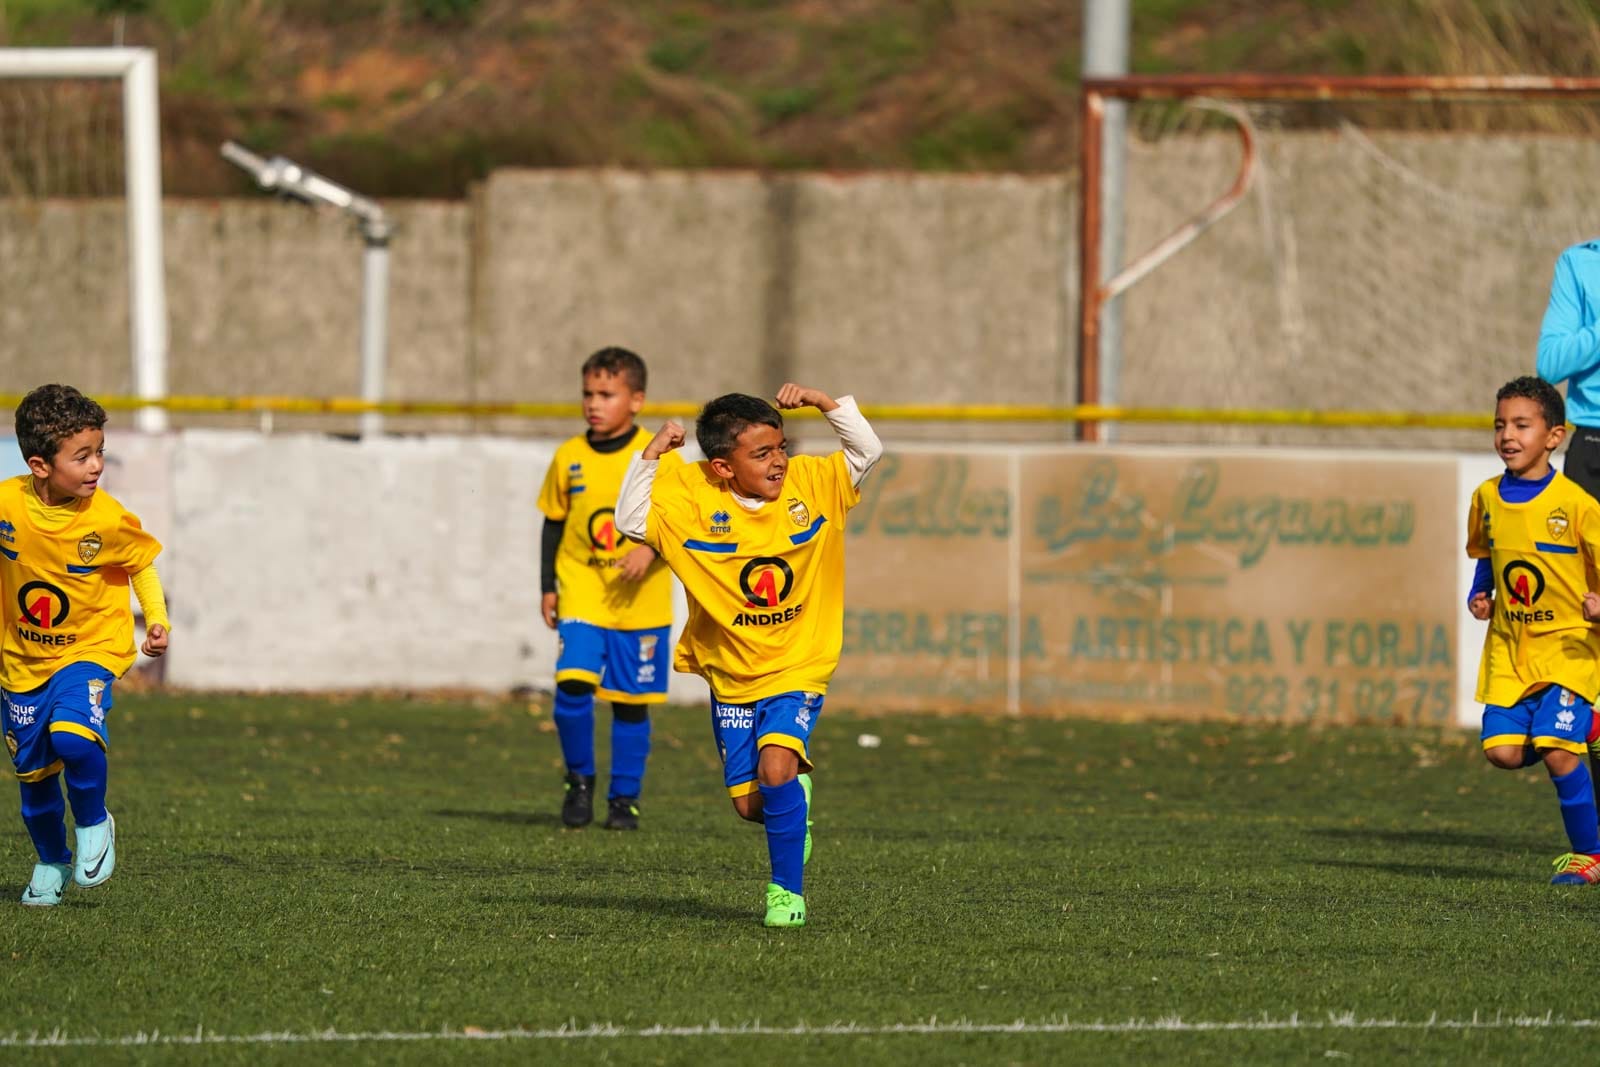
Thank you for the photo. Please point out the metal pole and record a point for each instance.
(1089, 259)
(374, 319)
(1105, 53)
(290, 179)
(1321, 86)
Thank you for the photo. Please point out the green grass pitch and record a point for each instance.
(293, 868)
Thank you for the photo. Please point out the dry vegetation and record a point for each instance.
(421, 97)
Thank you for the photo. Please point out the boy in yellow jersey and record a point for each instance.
(610, 600)
(67, 556)
(1536, 537)
(757, 538)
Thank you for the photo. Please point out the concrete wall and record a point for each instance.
(1383, 274)
(882, 285)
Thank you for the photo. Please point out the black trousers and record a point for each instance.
(1583, 458)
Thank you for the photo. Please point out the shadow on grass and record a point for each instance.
(516, 818)
(648, 904)
(1426, 870)
(70, 900)
(1433, 839)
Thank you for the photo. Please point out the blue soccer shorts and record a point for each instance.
(1553, 717)
(75, 700)
(742, 730)
(627, 666)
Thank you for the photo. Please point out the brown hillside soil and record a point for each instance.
(423, 97)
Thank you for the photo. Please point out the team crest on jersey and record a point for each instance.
(1556, 523)
(647, 646)
(89, 547)
(1567, 699)
(8, 532)
(11, 744)
(97, 690)
(798, 513)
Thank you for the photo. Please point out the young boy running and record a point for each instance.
(757, 538)
(67, 556)
(1536, 537)
(609, 601)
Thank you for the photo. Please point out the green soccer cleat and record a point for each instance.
(1576, 868)
(48, 883)
(97, 853)
(805, 783)
(783, 907)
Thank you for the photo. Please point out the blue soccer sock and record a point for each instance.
(574, 715)
(85, 776)
(1578, 809)
(785, 809)
(630, 748)
(45, 815)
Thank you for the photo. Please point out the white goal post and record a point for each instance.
(135, 68)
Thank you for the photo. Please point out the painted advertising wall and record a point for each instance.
(1282, 586)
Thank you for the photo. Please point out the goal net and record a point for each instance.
(80, 226)
(1383, 253)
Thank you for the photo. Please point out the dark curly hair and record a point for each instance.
(1541, 392)
(51, 414)
(621, 362)
(725, 418)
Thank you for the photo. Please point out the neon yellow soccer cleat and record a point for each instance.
(783, 907)
(1575, 868)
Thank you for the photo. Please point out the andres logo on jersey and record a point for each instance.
(766, 582)
(1524, 585)
(603, 538)
(44, 607)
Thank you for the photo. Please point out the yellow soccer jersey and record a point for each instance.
(766, 587)
(581, 490)
(64, 583)
(1543, 553)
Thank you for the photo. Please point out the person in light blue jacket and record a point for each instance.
(1569, 351)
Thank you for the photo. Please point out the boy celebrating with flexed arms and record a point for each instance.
(757, 538)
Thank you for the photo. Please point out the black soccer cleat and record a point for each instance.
(623, 814)
(577, 807)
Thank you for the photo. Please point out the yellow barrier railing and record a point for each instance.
(297, 405)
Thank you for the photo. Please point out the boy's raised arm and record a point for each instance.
(861, 445)
(633, 500)
(862, 449)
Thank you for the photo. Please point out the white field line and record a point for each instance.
(1165, 1024)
